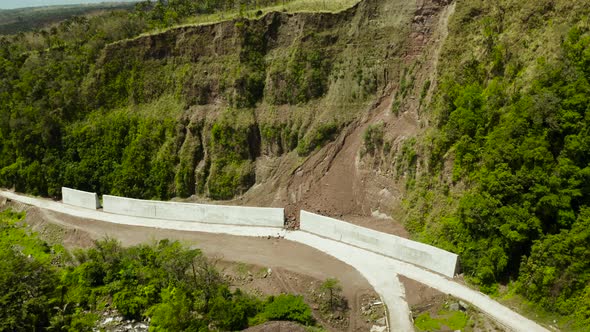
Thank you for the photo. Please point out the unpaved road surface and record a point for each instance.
(302, 253)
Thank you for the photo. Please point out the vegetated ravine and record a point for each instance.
(475, 137)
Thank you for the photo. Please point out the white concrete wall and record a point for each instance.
(80, 198)
(417, 253)
(204, 213)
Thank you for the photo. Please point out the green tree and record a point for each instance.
(332, 290)
(287, 307)
(176, 312)
(27, 281)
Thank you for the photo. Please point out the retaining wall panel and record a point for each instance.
(190, 212)
(417, 253)
(128, 206)
(80, 198)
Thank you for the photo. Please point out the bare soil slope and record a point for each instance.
(338, 180)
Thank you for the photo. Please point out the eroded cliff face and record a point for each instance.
(271, 106)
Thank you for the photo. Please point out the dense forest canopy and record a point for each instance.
(507, 185)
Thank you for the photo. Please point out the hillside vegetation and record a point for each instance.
(181, 112)
(504, 171)
(20, 20)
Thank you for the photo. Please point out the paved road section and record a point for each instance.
(377, 268)
(380, 271)
(416, 253)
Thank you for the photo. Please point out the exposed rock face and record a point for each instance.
(112, 322)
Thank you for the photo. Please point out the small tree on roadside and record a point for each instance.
(206, 278)
(332, 288)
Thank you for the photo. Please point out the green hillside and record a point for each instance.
(506, 184)
(48, 288)
(13, 21)
(153, 103)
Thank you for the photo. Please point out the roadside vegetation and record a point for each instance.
(453, 320)
(48, 288)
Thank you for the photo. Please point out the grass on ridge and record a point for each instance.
(295, 6)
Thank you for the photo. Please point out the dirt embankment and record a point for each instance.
(343, 180)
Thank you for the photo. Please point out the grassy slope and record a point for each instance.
(289, 6)
(28, 19)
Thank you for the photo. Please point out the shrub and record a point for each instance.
(287, 307)
(129, 304)
(228, 179)
(373, 138)
(323, 134)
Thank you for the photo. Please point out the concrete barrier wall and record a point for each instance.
(204, 213)
(80, 198)
(417, 253)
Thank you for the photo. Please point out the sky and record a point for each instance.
(11, 4)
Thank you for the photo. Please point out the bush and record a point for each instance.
(373, 138)
(175, 312)
(320, 136)
(227, 180)
(231, 312)
(129, 304)
(286, 307)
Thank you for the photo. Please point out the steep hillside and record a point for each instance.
(465, 120)
(502, 172)
(208, 109)
(262, 95)
(68, 117)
